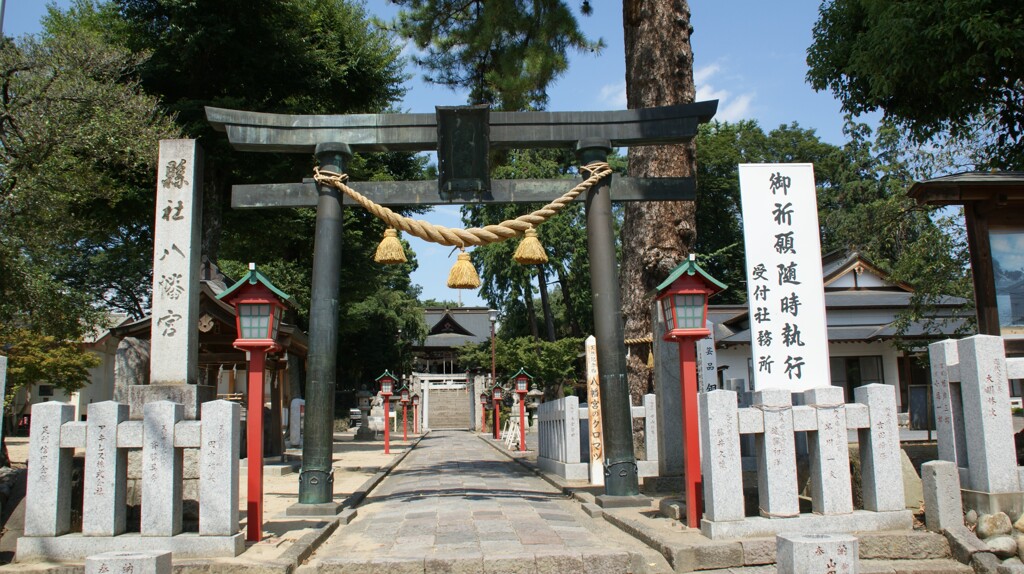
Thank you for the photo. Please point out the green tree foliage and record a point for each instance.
(280, 56)
(868, 210)
(862, 205)
(552, 364)
(76, 202)
(34, 358)
(721, 147)
(931, 67)
(505, 52)
(509, 286)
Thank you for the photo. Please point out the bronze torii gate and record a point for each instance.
(462, 136)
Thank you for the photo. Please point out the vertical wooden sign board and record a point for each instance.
(175, 350)
(707, 361)
(596, 436)
(788, 336)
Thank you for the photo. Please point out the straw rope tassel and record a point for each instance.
(463, 275)
(390, 250)
(530, 251)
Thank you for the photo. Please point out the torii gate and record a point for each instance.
(462, 137)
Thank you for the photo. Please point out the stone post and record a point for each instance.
(880, 465)
(720, 451)
(947, 401)
(218, 468)
(174, 351)
(816, 554)
(161, 470)
(570, 435)
(49, 482)
(985, 390)
(776, 455)
(295, 421)
(830, 460)
(133, 562)
(943, 508)
(104, 506)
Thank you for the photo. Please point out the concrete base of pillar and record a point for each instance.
(75, 547)
(1012, 503)
(190, 396)
(322, 509)
(611, 501)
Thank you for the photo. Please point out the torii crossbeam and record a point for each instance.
(462, 136)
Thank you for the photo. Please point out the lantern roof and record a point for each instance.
(386, 373)
(522, 371)
(254, 277)
(690, 267)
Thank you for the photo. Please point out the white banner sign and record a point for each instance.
(788, 335)
(707, 361)
(596, 436)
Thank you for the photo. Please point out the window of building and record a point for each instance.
(852, 372)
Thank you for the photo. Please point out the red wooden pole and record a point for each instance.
(387, 423)
(254, 447)
(405, 420)
(483, 417)
(522, 422)
(415, 419)
(496, 409)
(691, 436)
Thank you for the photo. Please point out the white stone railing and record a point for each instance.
(106, 438)
(973, 422)
(773, 420)
(562, 449)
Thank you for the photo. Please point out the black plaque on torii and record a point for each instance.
(333, 138)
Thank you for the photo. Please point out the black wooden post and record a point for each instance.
(620, 462)
(316, 481)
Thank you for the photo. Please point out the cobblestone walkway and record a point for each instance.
(456, 504)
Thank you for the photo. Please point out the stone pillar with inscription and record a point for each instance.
(174, 351)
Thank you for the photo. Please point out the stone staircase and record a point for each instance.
(449, 409)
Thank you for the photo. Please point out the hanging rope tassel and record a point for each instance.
(463, 275)
(530, 251)
(390, 250)
(650, 357)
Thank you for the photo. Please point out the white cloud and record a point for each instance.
(730, 108)
(613, 95)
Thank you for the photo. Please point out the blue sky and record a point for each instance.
(748, 54)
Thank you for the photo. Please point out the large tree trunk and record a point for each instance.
(655, 235)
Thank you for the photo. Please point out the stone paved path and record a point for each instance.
(456, 504)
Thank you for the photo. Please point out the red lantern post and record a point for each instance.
(386, 382)
(496, 396)
(258, 310)
(522, 380)
(683, 299)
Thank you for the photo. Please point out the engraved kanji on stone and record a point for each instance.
(175, 174)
